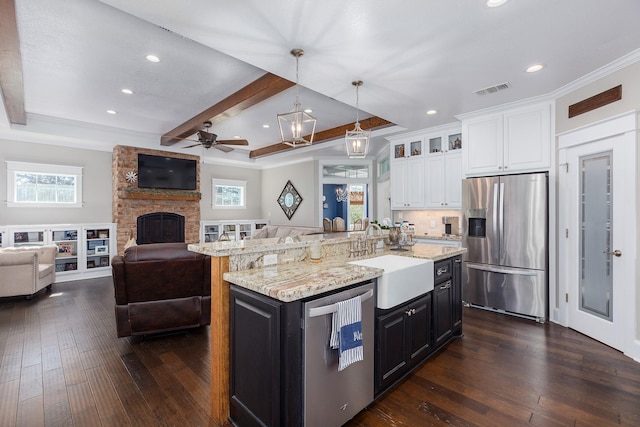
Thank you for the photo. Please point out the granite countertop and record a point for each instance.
(455, 237)
(242, 247)
(294, 281)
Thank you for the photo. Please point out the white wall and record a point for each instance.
(96, 183)
(303, 176)
(253, 178)
(627, 77)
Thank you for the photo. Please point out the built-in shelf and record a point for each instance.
(160, 195)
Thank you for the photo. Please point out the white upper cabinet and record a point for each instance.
(517, 140)
(444, 170)
(407, 173)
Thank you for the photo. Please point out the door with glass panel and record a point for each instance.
(598, 262)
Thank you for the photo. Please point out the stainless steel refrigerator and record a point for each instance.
(505, 230)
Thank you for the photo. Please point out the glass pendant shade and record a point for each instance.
(297, 127)
(357, 140)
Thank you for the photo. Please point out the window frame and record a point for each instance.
(42, 169)
(219, 182)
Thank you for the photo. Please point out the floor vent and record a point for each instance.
(493, 89)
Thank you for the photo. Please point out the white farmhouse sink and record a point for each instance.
(404, 278)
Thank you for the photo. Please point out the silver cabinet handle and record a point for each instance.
(410, 312)
(441, 271)
(446, 285)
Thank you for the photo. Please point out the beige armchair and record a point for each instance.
(26, 270)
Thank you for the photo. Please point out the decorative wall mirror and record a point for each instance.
(289, 199)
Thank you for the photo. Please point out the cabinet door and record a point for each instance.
(419, 329)
(66, 239)
(442, 318)
(453, 180)
(392, 345)
(484, 142)
(254, 381)
(456, 295)
(435, 181)
(527, 139)
(399, 173)
(415, 183)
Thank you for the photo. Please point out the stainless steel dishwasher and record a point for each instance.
(331, 398)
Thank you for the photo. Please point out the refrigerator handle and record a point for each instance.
(495, 254)
(501, 223)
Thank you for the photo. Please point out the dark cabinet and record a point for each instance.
(456, 304)
(403, 340)
(447, 300)
(265, 360)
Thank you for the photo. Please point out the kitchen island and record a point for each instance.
(294, 278)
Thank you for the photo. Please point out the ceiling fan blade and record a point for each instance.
(233, 142)
(192, 145)
(223, 148)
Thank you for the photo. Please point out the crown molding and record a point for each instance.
(612, 67)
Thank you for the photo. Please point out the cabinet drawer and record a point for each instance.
(442, 270)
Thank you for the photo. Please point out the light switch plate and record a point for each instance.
(270, 259)
(433, 223)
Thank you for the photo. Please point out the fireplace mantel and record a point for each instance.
(160, 195)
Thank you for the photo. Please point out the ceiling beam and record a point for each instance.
(11, 79)
(322, 136)
(250, 95)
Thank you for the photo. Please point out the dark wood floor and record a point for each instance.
(62, 365)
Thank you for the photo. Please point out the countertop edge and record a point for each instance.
(294, 281)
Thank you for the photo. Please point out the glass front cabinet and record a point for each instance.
(83, 250)
(212, 231)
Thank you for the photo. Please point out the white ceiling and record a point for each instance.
(413, 55)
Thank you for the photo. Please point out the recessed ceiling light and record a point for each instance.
(112, 112)
(534, 68)
(308, 111)
(236, 136)
(266, 126)
(432, 112)
(127, 91)
(152, 58)
(495, 3)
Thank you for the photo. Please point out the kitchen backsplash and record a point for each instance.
(423, 220)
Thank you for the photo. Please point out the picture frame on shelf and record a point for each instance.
(70, 266)
(60, 267)
(91, 234)
(66, 248)
(104, 261)
(101, 250)
(91, 263)
(103, 234)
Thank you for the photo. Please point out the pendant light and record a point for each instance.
(298, 124)
(357, 140)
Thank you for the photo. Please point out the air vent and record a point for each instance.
(493, 89)
(173, 32)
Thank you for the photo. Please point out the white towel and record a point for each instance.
(346, 332)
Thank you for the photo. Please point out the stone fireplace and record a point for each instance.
(130, 202)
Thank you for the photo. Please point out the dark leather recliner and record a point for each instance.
(161, 287)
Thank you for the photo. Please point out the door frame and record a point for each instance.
(625, 126)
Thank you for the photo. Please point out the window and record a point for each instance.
(42, 185)
(228, 194)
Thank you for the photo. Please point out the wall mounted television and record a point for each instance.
(167, 172)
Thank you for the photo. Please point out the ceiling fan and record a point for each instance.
(208, 140)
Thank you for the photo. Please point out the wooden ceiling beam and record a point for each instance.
(250, 95)
(11, 78)
(323, 136)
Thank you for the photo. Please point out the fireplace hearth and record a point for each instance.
(160, 227)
